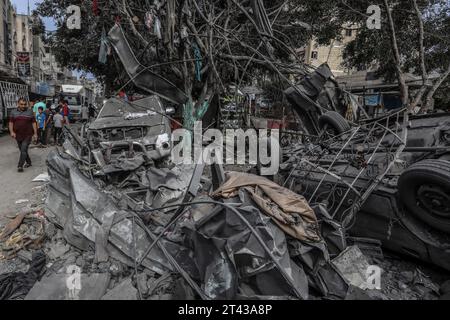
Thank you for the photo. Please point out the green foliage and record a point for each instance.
(232, 49)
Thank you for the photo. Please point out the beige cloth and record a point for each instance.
(290, 211)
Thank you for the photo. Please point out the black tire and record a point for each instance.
(335, 121)
(424, 189)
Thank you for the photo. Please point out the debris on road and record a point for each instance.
(21, 201)
(353, 266)
(16, 285)
(26, 231)
(42, 178)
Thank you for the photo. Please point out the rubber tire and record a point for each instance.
(431, 171)
(336, 121)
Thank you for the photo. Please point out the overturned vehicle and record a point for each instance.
(386, 178)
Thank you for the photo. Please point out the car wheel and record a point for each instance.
(334, 123)
(424, 189)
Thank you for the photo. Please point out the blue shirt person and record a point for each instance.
(41, 121)
(41, 118)
(38, 105)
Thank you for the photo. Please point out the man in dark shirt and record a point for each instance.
(23, 128)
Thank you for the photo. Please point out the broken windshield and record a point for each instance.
(118, 108)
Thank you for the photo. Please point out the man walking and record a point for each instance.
(23, 128)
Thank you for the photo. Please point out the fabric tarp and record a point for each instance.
(289, 210)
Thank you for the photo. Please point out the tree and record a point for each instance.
(414, 38)
(201, 46)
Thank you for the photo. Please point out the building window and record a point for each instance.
(348, 32)
(314, 55)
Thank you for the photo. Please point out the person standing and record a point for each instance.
(49, 124)
(41, 121)
(58, 121)
(23, 128)
(65, 110)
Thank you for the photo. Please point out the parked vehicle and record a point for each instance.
(76, 96)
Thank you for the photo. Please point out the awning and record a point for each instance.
(8, 78)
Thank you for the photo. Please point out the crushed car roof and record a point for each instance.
(119, 113)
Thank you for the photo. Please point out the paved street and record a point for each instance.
(15, 186)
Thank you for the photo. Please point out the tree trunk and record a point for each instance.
(423, 68)
(435, 87)
(400, 77)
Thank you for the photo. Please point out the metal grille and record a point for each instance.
(11, 92)
(341, 172)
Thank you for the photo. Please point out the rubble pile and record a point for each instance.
(122, 222)
(248, 239)
(256, 238)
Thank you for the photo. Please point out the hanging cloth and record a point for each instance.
(157, 30)
(198, 62)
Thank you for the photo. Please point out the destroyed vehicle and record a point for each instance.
(249, 239)
(125, 129)
(387, 179)
(319, 101)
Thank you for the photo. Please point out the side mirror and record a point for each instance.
(170, 111)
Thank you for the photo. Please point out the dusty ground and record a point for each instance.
(16, 186)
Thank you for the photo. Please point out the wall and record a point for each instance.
(316, 55)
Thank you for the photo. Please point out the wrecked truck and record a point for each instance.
(386, 178)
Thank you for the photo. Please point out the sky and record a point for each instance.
(22, 7)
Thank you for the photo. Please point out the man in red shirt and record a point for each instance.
(23, 128)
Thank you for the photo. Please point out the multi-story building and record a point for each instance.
(316, 55)
(28, 56)
(6, 38)
(23, 43)
(54, 74)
